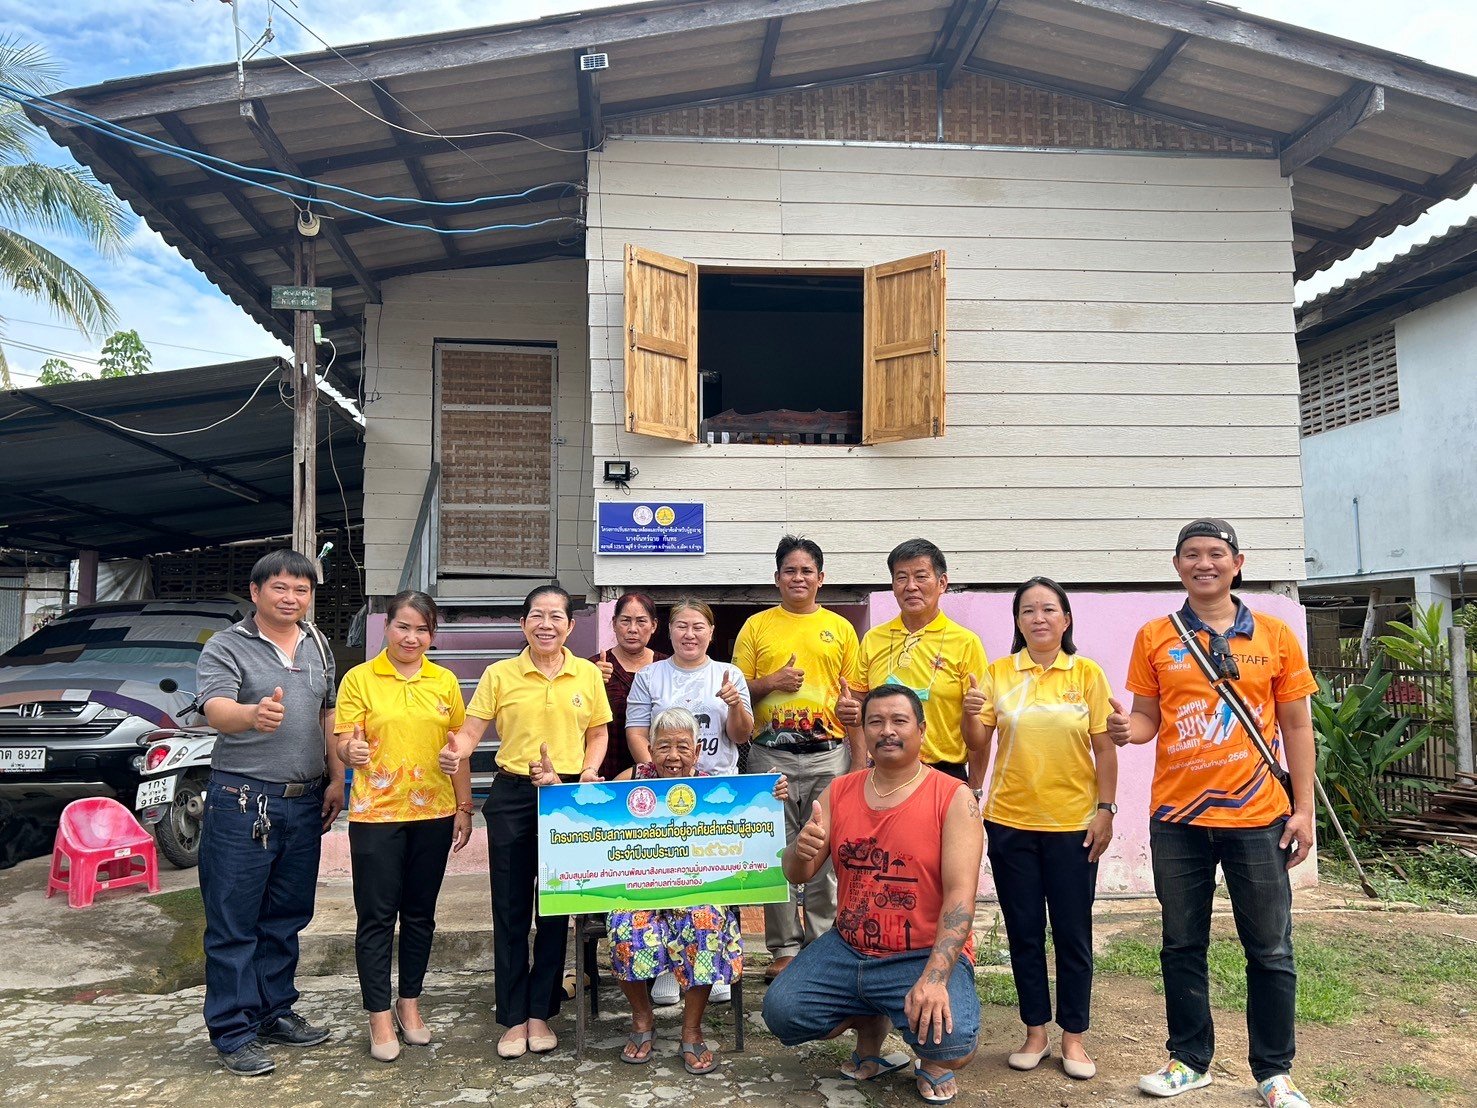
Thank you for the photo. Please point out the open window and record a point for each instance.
(720, 354)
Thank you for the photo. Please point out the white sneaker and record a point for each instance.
(722, 993)
(664, 991)
(1280, 1092)
(1173, 1079)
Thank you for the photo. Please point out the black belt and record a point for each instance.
(805, 747)
(524, 779)
(953, 769)
(235, 781)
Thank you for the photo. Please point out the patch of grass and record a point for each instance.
(1332, 1083)
(1328, 975)
(1411, 1076)
(996, 988)
(1434, 877)
(1413, 969)
(1417, 1031)
(990, 947)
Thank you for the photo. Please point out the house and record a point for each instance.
(1388, 397)
(1013, 274)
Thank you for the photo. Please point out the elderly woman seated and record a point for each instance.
(701, 945)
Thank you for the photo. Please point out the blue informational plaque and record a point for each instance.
(656, 527)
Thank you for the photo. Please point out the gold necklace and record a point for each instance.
(880, 794)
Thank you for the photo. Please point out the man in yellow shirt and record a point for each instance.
(940, 660)
(795, 658)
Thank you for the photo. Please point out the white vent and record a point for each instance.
(591, 62)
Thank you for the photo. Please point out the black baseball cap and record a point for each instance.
(1209, 529)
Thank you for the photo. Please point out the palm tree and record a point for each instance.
(48, 198)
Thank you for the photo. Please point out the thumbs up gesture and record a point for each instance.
(605, 666)
(1118, 724)
(269, 712)
(728, 692)
(814, 836)
(450, 757)
(974, 698)
(787, 677)
(356, 748)
(848, 707)
(542, 771)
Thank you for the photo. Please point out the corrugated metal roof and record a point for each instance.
(1439, 267)
(74, 482)
(1414, 141)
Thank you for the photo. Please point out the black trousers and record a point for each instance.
(1036, 873)
(523, 992)
(398, 869)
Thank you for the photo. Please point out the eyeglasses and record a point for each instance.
(1225, 661)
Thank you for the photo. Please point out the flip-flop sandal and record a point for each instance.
(885, 1063)
(636, 1040)
(691, 1053)
(934, 1083)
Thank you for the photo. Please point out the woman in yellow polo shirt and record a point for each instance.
(394, 713)
(543, 701)
(1049, 814)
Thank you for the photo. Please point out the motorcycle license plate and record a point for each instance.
(158, 791)
(22, 759)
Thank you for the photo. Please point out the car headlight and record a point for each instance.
(113, 714)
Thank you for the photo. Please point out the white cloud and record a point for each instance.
(588, 794)
(721, 795)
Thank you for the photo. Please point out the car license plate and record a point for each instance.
(22, 759)
(160, 790)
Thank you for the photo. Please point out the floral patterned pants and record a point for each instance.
(701, 945)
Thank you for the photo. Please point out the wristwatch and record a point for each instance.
(1109, 807)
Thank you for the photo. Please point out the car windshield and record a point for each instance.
(75, 641)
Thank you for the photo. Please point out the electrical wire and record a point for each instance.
(76, 117)
(425, 134)
(276, 371)
(147, 341)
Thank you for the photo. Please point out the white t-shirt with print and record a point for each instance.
(663, 685)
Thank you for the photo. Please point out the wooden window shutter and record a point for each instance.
(903, 336)
(661, 345)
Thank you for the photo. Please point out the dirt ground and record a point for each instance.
(105, 1042)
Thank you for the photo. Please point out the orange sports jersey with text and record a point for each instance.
(1206, 770)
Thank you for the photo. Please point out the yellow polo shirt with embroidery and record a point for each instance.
(529, 709)
(935, 662)
(1045, 778)
(825, 649)
(405, 722)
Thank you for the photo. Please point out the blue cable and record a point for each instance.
(65, 113)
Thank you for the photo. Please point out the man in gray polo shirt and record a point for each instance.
(267, 685)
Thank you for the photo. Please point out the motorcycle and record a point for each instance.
(175, 770)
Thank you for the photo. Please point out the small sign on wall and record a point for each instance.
(656, 527)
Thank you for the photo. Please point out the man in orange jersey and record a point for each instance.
(1216, 801)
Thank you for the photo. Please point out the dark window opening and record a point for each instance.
(780, 357)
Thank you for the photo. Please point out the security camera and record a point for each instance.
(308, 224)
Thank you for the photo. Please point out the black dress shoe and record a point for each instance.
(247, 1061)
(292, 1030)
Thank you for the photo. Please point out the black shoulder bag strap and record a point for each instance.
(322, 644)
(1231, 696)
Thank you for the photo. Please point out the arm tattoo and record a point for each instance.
(953, 928)
(974, 808)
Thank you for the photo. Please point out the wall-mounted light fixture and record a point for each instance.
(618, 472)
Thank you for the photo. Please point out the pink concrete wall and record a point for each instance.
(1104, 625)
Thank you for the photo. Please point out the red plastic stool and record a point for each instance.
(99, 833)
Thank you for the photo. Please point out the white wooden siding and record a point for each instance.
(542, 302)
(1121, 356)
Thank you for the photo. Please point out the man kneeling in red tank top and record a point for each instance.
(905, 841)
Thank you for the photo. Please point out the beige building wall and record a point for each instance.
(1120, 355)
(543, 302)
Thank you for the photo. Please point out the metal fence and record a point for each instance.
(1425, 697)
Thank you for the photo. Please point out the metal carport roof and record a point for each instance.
(75, 479)
(1371, 138)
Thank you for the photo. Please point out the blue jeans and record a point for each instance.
(256, 901)
(829, 983)
(1037, 872)
(1185, 858)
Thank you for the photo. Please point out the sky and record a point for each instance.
(185, 321)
